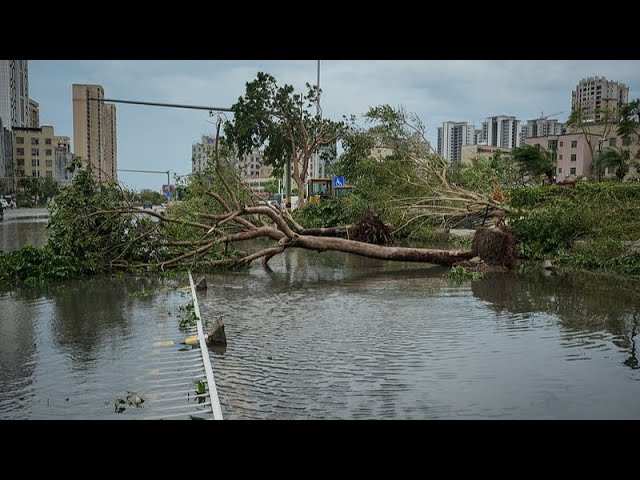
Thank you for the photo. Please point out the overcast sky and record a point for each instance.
(154, 138)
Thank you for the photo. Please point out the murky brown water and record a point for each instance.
(339, 337)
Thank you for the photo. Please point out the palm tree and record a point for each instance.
(628, 125)
(535, 161)
(618, 159)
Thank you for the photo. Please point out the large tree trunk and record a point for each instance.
(403, 254)
(301, 190)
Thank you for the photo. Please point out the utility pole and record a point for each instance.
(316, 172)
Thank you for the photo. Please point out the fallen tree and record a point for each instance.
(241, 223)
(225, 212)
(96, 228)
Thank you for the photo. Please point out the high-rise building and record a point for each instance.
(14, 93)
(110, 143)
(33, 151)
(500, 131)
(94, 131)
(62, 142)
(201, 153)
(6, 159)
(34, 114)
(540, 127)
(451, 137)
(249, 165)
(477, 137)
(325, 155)
(64, 157)
(595, 94)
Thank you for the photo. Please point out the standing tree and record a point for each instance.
(271, 186)
(628, 124)
(280, 120)
(593, 131)
(628, 128)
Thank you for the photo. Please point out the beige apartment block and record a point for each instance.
(94, 131)
(485, 151)
(34, 152)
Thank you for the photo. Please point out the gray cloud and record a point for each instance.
(437, 90)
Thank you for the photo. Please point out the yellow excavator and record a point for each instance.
(322, 188)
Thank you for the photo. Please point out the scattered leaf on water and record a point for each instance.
(134, 399)
(119, 405)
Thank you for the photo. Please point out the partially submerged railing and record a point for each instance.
(177, 370)
(213, 391)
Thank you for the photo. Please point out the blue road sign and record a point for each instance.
(168, 194)
(338, 181)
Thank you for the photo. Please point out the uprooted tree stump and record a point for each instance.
(370, 228)
(495, 246)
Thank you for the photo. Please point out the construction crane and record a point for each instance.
(542, 117)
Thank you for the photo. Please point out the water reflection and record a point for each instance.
(582, 303)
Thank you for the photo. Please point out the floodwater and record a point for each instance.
(69, 351)
(341, 337)
(336, 336)
(16, 233)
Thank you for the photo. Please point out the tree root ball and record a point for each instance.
(495, 246)
(370, 228)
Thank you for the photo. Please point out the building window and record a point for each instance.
(49, 163)
(35, 151)
(33, 173)
(49, 174)
(573, 157)
(560, 157)
(612, 142)
(573, 170)
(47, 141)
(560, 170)
(35, 162)
(574, 143)
(19, 151)
(20, 140)
(20, 162)
(35, 141)
(626, 141)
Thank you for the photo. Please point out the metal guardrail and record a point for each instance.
(213, 391)
(176, 368)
